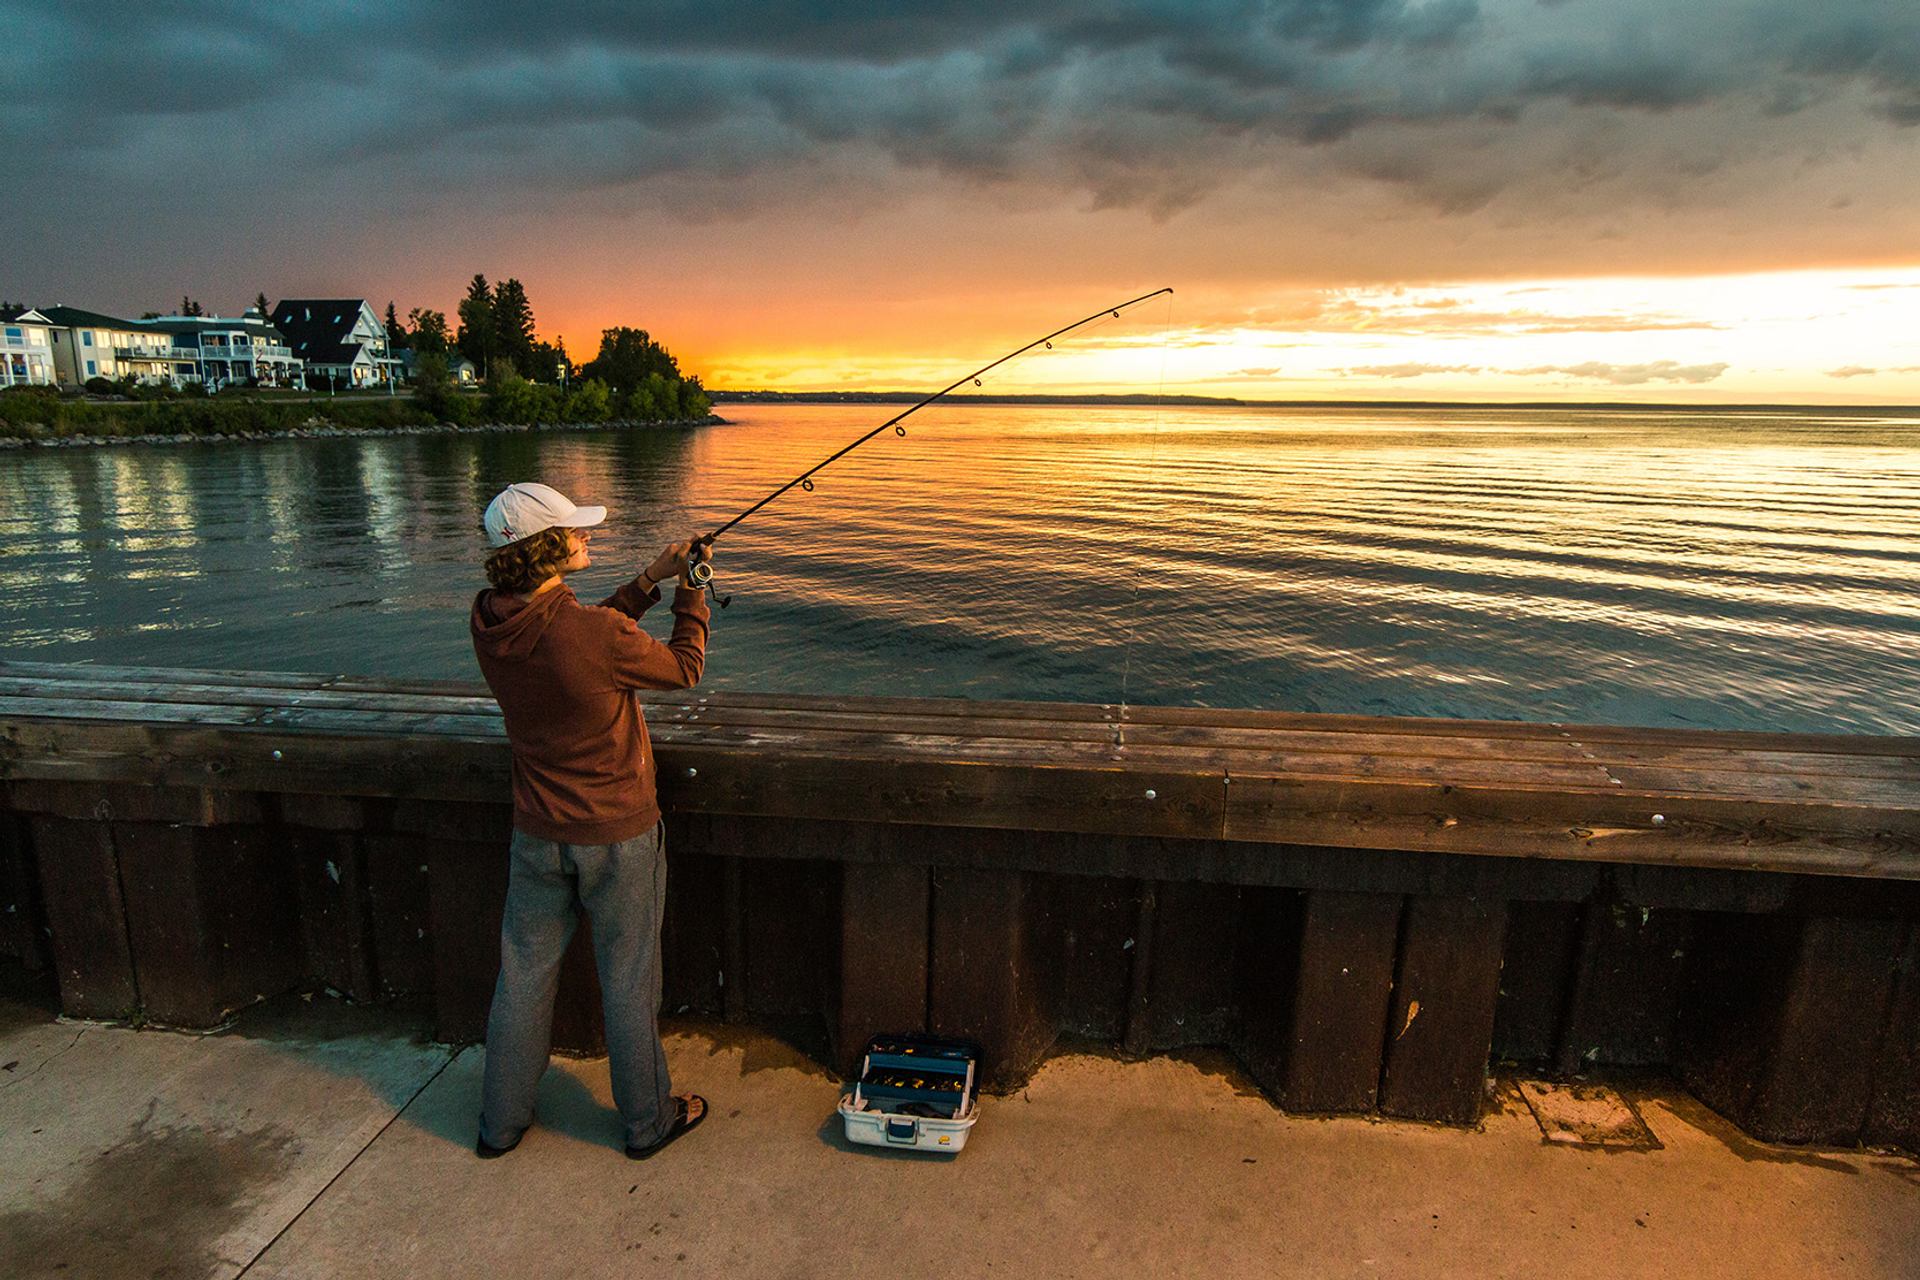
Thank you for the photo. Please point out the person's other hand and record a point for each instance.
(670, 563)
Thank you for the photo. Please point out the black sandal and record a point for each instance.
(680, 1125)
(487, 1151)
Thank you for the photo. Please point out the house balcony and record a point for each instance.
(239, 353)
(155, 353)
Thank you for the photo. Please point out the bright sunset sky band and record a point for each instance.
(1448, 199)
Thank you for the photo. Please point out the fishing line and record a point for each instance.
(1153, 464)
(700, 568)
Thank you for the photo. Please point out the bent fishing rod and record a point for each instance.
(700, 570)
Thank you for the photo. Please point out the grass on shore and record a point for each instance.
(29, 414)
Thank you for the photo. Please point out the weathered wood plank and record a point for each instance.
(41, 747)
(22, 929)
(1616, 826)
(55, 672)
(398, 903)
(1613, 826)
(1341, 992)
(884, 950)
(1623, 1004)
(1138, 718)
(1785, 1020)
(335, 915)
(54, 709)
(1440, 1029)
(1893, 1118)
(80, 891)
(73, 692)
(212, 925)
(1536, 980)
(982, 983)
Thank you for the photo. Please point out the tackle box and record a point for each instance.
(915, 1093)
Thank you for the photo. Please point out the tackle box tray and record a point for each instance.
(915, 1093)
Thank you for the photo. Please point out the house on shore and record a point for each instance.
(91, 344)
(459, 368)
(26, 349)
(217, 351)
(245, 351)
(341, 341)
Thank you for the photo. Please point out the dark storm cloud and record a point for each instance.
(1149, 103)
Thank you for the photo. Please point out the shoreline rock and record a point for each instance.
(320, 429)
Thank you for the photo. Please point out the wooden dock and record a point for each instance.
(1364, 909)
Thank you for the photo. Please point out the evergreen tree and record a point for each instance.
(429, 331)
(260, 301)
(513, 328)
(189, 307)
(476, 338)
(396, 332)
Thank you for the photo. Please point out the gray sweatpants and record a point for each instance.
(624, 890)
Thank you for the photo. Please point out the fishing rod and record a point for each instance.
(700, 569)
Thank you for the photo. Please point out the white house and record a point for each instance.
(341, 340)
(88, 344)
(26, 350)
(215, 350)
(245, 350)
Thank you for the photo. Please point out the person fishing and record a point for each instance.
(587, 831)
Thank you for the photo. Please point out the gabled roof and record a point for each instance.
(10, 315)
(323, 352)
(75, 318)
(318, 319)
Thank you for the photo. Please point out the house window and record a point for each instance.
(86, 338)
(16, 336)
(90, 369)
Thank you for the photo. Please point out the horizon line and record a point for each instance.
(1148, 398)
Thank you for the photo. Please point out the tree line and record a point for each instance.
(529, 379)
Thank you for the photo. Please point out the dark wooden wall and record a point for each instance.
(1345, 980)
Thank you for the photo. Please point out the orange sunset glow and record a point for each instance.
(1492, 200)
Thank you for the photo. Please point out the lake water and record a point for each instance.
(1738, 570)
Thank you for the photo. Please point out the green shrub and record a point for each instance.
(589, 402)
(693, 400)
(102, 387)
(511, 398)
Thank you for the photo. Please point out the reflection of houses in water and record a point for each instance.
(341, 340)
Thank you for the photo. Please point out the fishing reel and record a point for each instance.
(700, 570)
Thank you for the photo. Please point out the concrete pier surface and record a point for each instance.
(314, 1138)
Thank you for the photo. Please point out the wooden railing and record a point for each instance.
(1363, 909)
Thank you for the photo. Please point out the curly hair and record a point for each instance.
(521, 566)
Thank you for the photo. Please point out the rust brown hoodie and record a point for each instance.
(564, 674)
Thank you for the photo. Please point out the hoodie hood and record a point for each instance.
(508, 628)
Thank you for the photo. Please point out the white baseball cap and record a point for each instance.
(522, 510)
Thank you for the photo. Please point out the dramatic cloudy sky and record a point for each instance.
(1489, 199)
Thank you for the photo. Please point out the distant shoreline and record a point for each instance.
(1152, 401)
(320, 429)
